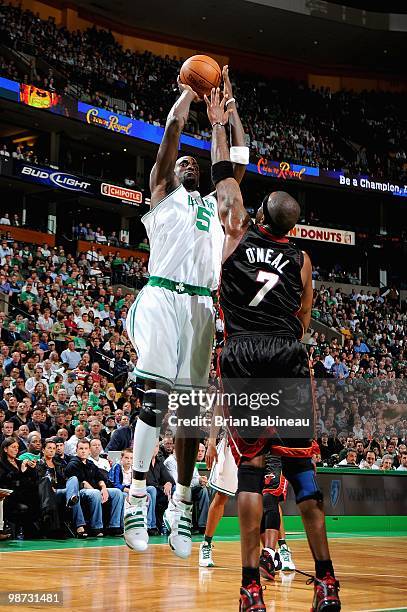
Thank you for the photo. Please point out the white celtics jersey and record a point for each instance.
(186, 238)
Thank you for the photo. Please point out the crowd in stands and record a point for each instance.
(335, 275)
(284, 120)
(361, 385)
(19, 152)
(90, 233)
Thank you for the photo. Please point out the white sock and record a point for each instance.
(145, 439)
(183, 493)
(270, 551)
(138, 488)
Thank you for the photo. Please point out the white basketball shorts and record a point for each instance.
(173, 336)
(223, 476)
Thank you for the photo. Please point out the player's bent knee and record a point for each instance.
(271, 514)
(305, 486)
(154, 407)
(250, 479)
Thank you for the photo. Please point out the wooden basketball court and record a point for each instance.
(372, 571)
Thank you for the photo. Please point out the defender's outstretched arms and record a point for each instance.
(232, 212)
(239, 153)
(162, 178)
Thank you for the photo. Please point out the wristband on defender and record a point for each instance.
(239, 155)
(222, 170)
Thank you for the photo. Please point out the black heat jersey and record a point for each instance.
(261, 286)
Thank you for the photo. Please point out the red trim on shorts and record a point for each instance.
(296, 453)
(263, 230)
(281, 490)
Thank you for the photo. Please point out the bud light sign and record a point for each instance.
(53, 178)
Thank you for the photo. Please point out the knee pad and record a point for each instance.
(250, 479)
(271, 513)
(154, 407)
(305, 486)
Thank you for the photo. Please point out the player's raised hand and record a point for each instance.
(182, 87)
(227, 85)
(211, 455)
(215, 106)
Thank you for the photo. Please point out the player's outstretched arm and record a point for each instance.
(162, 177)
(232, 212)
(239, 153)
(304, 313)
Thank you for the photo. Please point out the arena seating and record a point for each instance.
(360, 132)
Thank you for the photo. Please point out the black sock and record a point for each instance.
(322, 567)
(281, 543)
(208, 539)
(249, 574)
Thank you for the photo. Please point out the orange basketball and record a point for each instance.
(202, 73)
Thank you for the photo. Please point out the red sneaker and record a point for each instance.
(326, 594)
(251, 598)
(266, 566)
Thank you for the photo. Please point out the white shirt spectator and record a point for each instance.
(45, 324)
(31, 382)
(71, 444)
(328, 362)
(5, 220)
(102, 463)
(72, 358)
(87, 326)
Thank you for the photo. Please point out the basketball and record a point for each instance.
(202, 73)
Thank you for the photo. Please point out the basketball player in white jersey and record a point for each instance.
(171, 323)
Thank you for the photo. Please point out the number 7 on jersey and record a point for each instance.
(271, 281)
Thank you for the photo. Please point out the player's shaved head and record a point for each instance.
(280, 212)
(187, 171)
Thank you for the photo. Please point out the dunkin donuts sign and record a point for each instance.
(323, 234)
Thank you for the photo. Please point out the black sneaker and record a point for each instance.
(266, 565)
(153, 531)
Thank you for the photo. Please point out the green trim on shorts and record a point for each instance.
(152, 376)
(178, 286)
(160, 202)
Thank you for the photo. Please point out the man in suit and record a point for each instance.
(11, 335)
(36, 423)
(121, 438)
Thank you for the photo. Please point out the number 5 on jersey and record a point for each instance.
(271, 281)
(203, 219)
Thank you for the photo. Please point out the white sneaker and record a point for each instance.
(286, 559)
(178, 520)
(135, 524)
(205, 555)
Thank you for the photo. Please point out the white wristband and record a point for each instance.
(230, 101)
(239, 155)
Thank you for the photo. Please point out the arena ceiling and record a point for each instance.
(254, 27)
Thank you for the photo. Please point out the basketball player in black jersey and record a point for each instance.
(266, 298)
